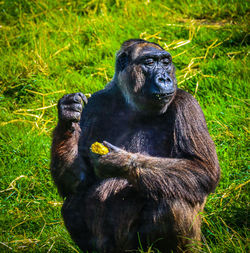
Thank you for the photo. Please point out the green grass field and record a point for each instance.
(49, 48)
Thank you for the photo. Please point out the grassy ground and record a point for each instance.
(49, 48)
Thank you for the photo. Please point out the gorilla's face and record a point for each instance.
(149, 79)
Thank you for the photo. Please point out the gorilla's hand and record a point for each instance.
(70, 107)
(116, 163)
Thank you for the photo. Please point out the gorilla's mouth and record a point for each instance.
(154, 100)
(162, 96)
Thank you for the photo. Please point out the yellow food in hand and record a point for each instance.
(98, 148)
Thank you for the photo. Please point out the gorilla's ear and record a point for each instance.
(122, 61)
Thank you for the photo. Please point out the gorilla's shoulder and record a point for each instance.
(186, 104)
(103, 99)
(183, 97)
(183, 94)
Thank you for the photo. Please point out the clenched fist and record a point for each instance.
(70, 107)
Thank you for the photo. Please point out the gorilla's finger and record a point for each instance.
(111, 147)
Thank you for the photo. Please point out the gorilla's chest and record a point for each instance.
(147, 136)
(147, 140)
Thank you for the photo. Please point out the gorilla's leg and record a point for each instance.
(74, 219)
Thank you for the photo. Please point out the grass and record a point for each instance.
(49, 48)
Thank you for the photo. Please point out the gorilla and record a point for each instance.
(152, 185)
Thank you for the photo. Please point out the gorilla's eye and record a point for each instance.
(149, 62)
(166, 61)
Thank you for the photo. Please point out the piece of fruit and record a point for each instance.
(98, 148)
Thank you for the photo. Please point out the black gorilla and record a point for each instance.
(161, 164)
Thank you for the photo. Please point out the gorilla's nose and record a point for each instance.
(163, 80)
(164, 84)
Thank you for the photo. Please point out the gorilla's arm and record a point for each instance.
(192, 175)
(67, 168)
(189, 179)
